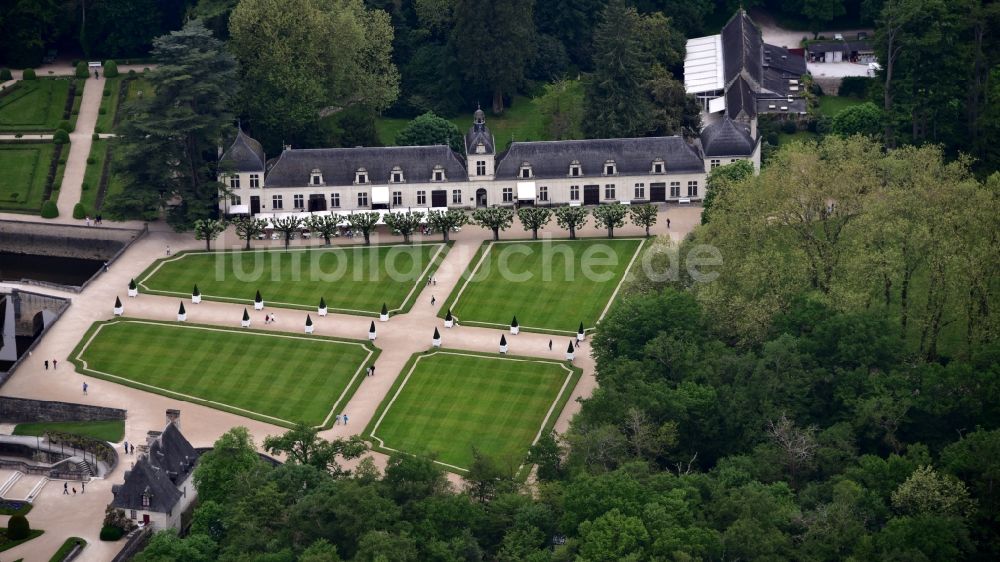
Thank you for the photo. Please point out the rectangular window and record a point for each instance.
(315, 179)
(456, 196)
(480, 167)
(715, 163)
(525, 173)
(658, 168)
(574, 193)
(675, 189)
(362, 178)
(335, 200)
(609, 191)
(574, 171)
(421, 198)
(397, 177)
(132, 514)
(609, 169)
(438, 176)
(254, 181)
(640, 191)
(692, 189)
(397, 198)
(363, 199)
(235, 200)
(731, 160)
(508, 194)
(543, 193)
(276, 202)
(234, 182)
(298, 201)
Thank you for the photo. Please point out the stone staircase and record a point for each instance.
(11, 480)
(36, 490)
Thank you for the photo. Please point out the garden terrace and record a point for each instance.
(32, 106)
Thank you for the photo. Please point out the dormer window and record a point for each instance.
(146, 496)
(609, 168)
(480, 148)
(316, 177)
(397, 175)
(574, 169)
(525, 170)
(438, 173)
(361, 176)
(658, 166)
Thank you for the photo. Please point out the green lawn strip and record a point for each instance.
(7, 544)
(66, 547)
(342, 275)
(278, 378)
(6, 506)
(466, 275)
(832, 105)
(112, 430)
(445, 402)
(109, 105)
(92, 175)
(523, 121)
(551, 297)
(34, 106)
(25, 168)
(137, 87)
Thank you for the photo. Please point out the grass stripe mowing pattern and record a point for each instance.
(289, 377)
(551, 298)
(351, 278)
(444, 403)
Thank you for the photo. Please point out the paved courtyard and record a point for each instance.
(403, 335)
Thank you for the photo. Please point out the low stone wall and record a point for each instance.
(18, 410)
(65, 240)
(134, 543)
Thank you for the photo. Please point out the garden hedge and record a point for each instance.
(18, 527)
(49, 209)
(29, 74)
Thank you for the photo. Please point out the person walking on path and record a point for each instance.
(126, 447)
(550, 345)
(105, 267)
(433, 300)
(345, 419)
(74, 490)
(434, 280)
(83, 487)
(668, 223)
(168, 249)
(84, 389)
(54, 363)
(65, 488)
(46, 364)
(87, 219)
(371, 371)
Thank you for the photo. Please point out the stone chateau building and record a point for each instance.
(571, 172)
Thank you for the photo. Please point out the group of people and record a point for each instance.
(66, 488)
(97, 220)
(129, 448)
(55, 364)
(270, 319)
(340, 418)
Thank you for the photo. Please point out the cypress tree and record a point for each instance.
(195, 291)
(118, 302)
(246, 315)
(448, 316)
(385, 310)
(257, 298)
(513, 323)
(131, 284)
(309, 320)
(371, 329)
(322, 302)
(580, 330)
(503, 340)
(181, 309)
(437, 335)
(570, 349)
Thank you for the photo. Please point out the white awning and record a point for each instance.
(380, 195)
(716, 105)
(526, 190)
(239, 209)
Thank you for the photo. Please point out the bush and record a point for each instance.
(60, 137)
(81, 70)
(91, 160)
(5, 75)
(110, 69)
(103, 110)
(18, 528)
(855, 86)
(771, 139)
(85, 186)
(109, 533)
(29, 74)
(107, 92)
(49, 209)
(131, 72)
(65, 126)
(95, 136)
(789, 127)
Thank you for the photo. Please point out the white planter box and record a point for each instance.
(436, 342)
(383, 317)
(119, 310)
(195, 299)
(258, 305)
(182, 317)
(371, 336)
(514, 330)
(503, 349)
(309, 329)
(579, 336)
(449, 323)
(321, 311)
(570, 355)
(133, 292)
(245, 323)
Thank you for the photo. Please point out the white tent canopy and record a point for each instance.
(239, 209)
(380, 195)
(526, 190)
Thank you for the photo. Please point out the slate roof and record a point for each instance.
(784, 61)
(727, 138)
(245, 154)
(741, 102)
(741, 48)
(170, 460)
(339, 165)
(797, 105)
(551, 159)
(479, 133)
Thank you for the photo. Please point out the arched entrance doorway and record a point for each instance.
(480, 197)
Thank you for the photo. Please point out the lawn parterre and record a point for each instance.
(550, 285)
(445, 403)
(273, 377)
(34, 105)
(25, 169)
(112, 431)
(352, 279)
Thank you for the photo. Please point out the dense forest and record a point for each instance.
(830, 391)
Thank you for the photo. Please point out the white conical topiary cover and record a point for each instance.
(181, 313)
(384, 315)
(570, 352)
(449, 320)
(503, 344)
(371, 331)
(246, 319)
(309, 324)
(436, 340)
(322, 307)
(119, 309)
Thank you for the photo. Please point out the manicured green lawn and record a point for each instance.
(353, 279)
(444, 403)
(832, 105)
(66, 547)
(112, 431)
(92, 176)
(277, 378)
(34, 105)
(6, 543)
(551, 286)
(522, 120)
(109, 105)
(24, 169)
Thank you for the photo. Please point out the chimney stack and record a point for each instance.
(152, 437)
(174, 417)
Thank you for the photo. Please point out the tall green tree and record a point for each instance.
(170, 145)
(494, 219)
(561, 107)
(534, 218)
(610, 217)
(429, 129)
